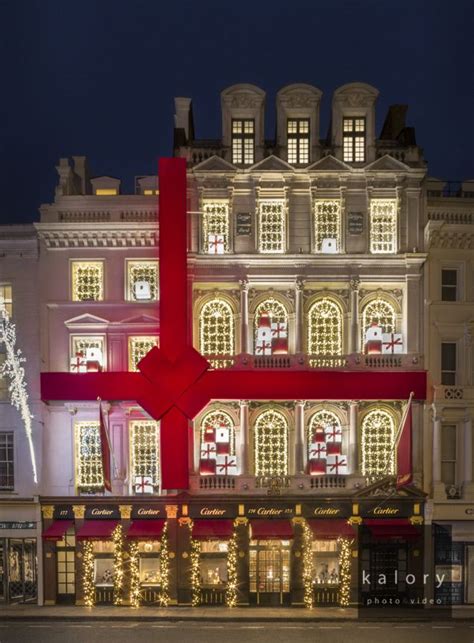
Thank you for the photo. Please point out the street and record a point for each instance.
(197, 632)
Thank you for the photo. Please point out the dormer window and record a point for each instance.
(354, 135)
(298, 140)
(243, 141)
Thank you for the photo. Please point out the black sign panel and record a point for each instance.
(102, 512)
(355, 223)
(63, 512)
(244, 224)
(211, 510)
(17, 525)
(386, 509)
(327, 509)
(147, 512)
(270, 510)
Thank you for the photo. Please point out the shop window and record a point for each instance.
(298, 140)
(271, 226)
(142, 280)
(89, 473)
(87, 280)
(271, 444)
(7, 465)
(377, 444)
(269, 571)
(103, 564)
(325, 323)
(87, 354)
(243, 141)
(213, 564)
(216, 331)
(270, 328)
(215, 228)
(145, 456)
(380, 312)
(325, 563)
(327, 227)
(353, 134)
(21, 570)
(6, 298)
(448, 363)
(149, 563)
(448, 454)
(138, 347)
(383, 226)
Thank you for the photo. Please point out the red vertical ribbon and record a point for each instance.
(404, 450)
(105, 449)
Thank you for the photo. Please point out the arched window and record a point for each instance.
(211, 423)
(277, 316)
(325, 328)
(216, 330)
(271, 444)
(377, 444)
(321, 419)
(380, 312)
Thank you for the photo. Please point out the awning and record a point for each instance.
(331, 529)
(150, 529)
(203, 529)
(57, 529)
(392, 528)
(96, 529)
(269, 529)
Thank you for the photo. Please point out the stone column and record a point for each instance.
(299, 287)
(468, 486)
(353, 442)
(439, 492)
(300, 451)
(244, 438)
(244, 316)
(355, 331)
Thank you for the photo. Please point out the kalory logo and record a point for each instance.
(409, 579)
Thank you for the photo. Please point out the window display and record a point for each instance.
(213, 563)
(104, 572)
(150, 570)
(325, 562)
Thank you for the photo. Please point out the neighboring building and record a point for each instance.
(449, 326)
(20, 517)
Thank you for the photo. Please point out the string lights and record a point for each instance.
(88, 576)
(345, 545)
(117, 538)
(216, 331)
(134, 574)
(195, 571)
(12, 369)
(307, 565)
(377, 439)
(164, 597)
(271, 444)
(231, 589)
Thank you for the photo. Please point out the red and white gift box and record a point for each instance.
(143, 484)
(317, 450)
(216, 244)
(336, 465)
(209, 434)
(94, 354)
(208, 450)
(317, 467)
(78, 364)
(334, 448)
(279, 346)
(226, 465)
(207, 467)
(222, 434)
(373, 339)
(333, 433)
(263, 348)
(392, 343)
(93, 366)
(142, 290)
(279, 330)
(223, 448)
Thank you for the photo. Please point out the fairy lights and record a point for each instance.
(216, 330)
(117, 538)
(344, 571)
(377, 438)
(307, 565)
(231, 589)
(271, 444)
(88, 577)
(195, 571)
(164, 597)
(325, 323)
(134, 574)
(12, 369)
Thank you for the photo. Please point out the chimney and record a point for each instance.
(183, 116)
(394, 122)
(81, 168)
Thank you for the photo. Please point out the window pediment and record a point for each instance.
(329, 164)
(272, 164)
(386, 164)
(215, 164)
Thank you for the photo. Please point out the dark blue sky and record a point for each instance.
(98, 77)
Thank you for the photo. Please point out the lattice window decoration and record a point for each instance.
(144, 455)
(142, 280)
(377, 444)
(89, 472)
(270, 328)
(215, 227)
(271, 444)
(321, 419)
(6, 298)
(383, 226)
(87, 353)
(327, 226)
(380, 312)
(138, 347)
(87, 280)
(216, 331)
(272, 226)
(325, 324)
(212, 424)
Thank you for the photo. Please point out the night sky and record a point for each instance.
(97, 78)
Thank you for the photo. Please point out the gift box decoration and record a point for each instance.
(333, 433)
(392, 343)
(263, 348)
(317, 467)
(222, 434)
(280, 346)
(207, 467)
(209, 434)
(94, 354)
(216, 244)
(333, 448)
(78, 363)
(336, 465)
(264, 329)
(143, 484)
(317, 450)
(142, 290)
(226, 465)
(373, 339)
(223, 448)
(319, 434)
(208, 450)
(93, 366)
(279, 330)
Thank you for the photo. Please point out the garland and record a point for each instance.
(88, 577)
(307, 565)
(231, 589)
(117, 537)
(134, 574)
(164, 597)
(345, 545)
(195, 571)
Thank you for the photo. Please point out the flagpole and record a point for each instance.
(106, 427)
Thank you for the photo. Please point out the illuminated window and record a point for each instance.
(322, 419)
(327, 226)
(278, 319)
(271, 444)
(81, 347)
(271, 226)
(325, 323)
(7, 480)
(243, 141)
(6, 297)
(142, 280)
(298, 140)
(87, 280)
(383, 226)
(377, 444)
(138, 347)
(218, 420)
(106, 192)
(89, 472)
(216, 331)
(353, 135)
(215, 228)
(380, 312)
(144, 455)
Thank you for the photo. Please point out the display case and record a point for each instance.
(213, 563)
(325, 562)
(103, 572)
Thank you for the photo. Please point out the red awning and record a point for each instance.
(146, 529)
(203, 529)
(392, 528)
(268, 529)
(331, 529)
(96, 529)
(57, 529)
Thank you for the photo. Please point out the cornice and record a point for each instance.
(57, 236)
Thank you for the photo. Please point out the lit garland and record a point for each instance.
(195, 571)
(216, 331)
(231, 589)
(345, 545)
(327, 223)
(13, 369)
(164, 597)
(307, 565)
(271, 444)
(134, 574)
(325, 324)
(271, 226)
(377, 439)
(88, 577)
(117, 537)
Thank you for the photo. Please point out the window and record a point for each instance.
(327, 226)
(323, 419)
(377, 444)
(138, 347)
(380, 312)
(87, 353)
(142, 280)
(106, 192)
(325, 328)
(216, 331)
(271, 444)
(448, 453)
(383, 226)
(66, 553)
(298, 140)
(6, 297)
(7, 480)
(210, 424)
(243, 141)
(213, 564)
(449, 285)
(448, 363)
(144, 456)
(270, 328)
(354, 139)
(272, 226)
(89, 473)
(215, 228)
(87, 280)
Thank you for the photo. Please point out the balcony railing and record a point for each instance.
(277, 485)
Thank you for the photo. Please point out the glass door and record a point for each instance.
(66, 574)
(22, 570)
(270, 572)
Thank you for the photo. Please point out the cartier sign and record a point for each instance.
(254, 510)
(210, 510)
(147, 513)
(102, 513)
(327, 510)
(386, 509)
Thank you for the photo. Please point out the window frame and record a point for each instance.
(240, 138)
(201, 340)
(128, 283)
(373, 242)
(130, 340)
(10, 464)
(317, 238)
(8, 300)
(91, 487)
(284, 456)
(205, 226)
(363, 439)
(132, 424)
(72, 263)
(72, 351)
(352, 135)
(284, 226)
(449, 461)
(456, 287)
(446, 371)
(298, 137)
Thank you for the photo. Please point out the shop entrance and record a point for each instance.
(66, 575)
(270, 572)
(18, 569)
(390, 562)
